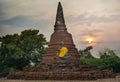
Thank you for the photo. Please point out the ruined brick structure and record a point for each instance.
(55, 68)
(60, 35)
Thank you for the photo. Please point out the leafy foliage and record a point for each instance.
(86, 52)
(107, 60)
(17, 51)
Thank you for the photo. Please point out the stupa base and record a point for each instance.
(58, 73)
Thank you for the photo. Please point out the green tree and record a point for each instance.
(17, 51)
(86, 52)
(107, 60)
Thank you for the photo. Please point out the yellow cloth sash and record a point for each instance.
(63, 52)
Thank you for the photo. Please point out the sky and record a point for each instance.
(99, 19)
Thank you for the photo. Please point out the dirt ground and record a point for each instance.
(117, 79)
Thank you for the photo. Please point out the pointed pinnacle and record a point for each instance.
(59, 3)
(59, 16)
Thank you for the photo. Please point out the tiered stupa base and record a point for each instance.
(44, 72)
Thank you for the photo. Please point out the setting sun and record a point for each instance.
(89, 40)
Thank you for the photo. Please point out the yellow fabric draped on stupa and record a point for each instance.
(63, 51)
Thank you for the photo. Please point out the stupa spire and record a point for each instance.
(60, 22)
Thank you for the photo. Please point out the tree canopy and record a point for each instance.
(19, 50)
(108, 60)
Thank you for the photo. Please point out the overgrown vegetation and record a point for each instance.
(17, 51)
(108, 60)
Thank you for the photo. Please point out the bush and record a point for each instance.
(107, 60)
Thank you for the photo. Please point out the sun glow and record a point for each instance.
(89, 40)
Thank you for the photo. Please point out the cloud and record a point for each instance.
(20, 23)
(87, 32)
(2, 13)
(36, 9)
(92, 19)
(25, 21)
(8, 29)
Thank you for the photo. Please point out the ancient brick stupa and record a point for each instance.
(61, 60)
(60, 37)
